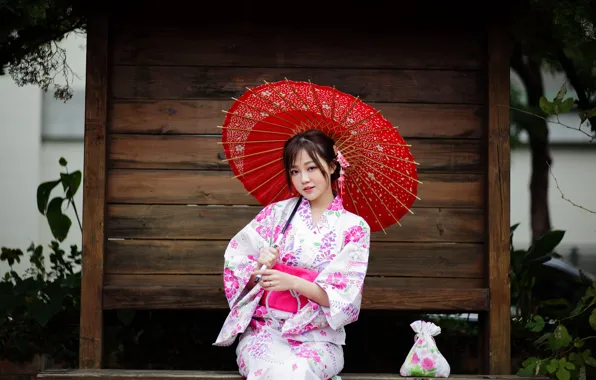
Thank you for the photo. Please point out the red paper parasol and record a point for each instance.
(381, 181)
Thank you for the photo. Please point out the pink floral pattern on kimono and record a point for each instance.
(337, 247)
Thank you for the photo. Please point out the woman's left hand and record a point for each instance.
(277, 281)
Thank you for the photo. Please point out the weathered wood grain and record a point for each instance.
(223, 222)
(258, 45)
(203, 152)
(499, 326)
(216, 187)
(378, 85)
(94, 189)
(207, 257)
(206, 291)
(203, 117)
(124, 374)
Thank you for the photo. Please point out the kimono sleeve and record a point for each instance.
(343, 278)
(242, 252)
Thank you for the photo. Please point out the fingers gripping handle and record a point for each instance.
(283, 231)
(263, 267)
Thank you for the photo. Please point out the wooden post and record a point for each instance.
(94, 204)
(498, 322)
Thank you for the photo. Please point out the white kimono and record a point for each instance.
(305, 345)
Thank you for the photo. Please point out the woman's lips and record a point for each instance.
(308, 189)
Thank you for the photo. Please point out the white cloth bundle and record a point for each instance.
(425, 359)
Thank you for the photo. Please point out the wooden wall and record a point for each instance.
(170, 200)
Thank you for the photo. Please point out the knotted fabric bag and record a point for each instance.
(425, 359)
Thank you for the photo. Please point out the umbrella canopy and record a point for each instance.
(381, 181)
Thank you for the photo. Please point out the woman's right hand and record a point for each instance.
(268, 257)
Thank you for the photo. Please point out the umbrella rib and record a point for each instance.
(390, 156)
(362, 134)
(381, 200)
(333, 107)
(251, 154)
(363, 120)
(370, 207)
(248, 142)
(349, 110)
(392, 180)
(279, 192)
(268, 113)
(257, 168)
(384, 165)
(253, 130)
(347, 188)
(307, 119)
(272, 103)
(314, 95)
(390, 193)
(270, 178)
(255, 120)
(302, 100)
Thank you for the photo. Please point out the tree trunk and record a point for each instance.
(531, 76)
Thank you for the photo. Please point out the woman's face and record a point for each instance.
(307, 179)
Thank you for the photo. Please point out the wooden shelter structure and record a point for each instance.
(159, 206)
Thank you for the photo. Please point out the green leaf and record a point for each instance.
(43, 195)
(62, 161)
(546, 106)
(569, 365)
(560, 338)
(11, 255)
(545, 244)
(552, 366)
(566, 105)
(59, 223)
(71, 182)
(592, 319)
(563, 374)
(590, 361)
(537, 325)
(526, 371)
(578, 343)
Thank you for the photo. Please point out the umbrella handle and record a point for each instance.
(283, 231)
(263, 267)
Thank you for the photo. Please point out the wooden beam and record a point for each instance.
(117, 374)
(94, 207)
(498, 329)
(170, 292)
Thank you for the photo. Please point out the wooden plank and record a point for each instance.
(127, 374)
(498, 198)
(382, 85)
(94, 189)
(206, 291)
(207, 257)
(258, 45)
(223, 222)
(202, 152)
(203, 117)
(215, 187)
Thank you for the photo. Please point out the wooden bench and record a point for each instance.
(159, 206)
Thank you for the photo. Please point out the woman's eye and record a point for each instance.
(312, 168)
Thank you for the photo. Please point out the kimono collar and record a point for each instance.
(329, 217)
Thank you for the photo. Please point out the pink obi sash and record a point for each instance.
(288, 300)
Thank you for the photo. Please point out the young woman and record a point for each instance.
(323, 238)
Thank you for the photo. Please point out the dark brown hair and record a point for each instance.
(317, 145)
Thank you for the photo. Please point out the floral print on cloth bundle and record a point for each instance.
(425, 359)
